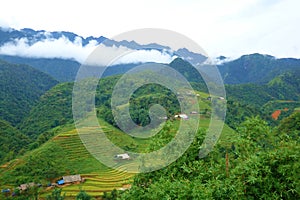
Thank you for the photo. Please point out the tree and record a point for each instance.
(56, 195)
(82, 195)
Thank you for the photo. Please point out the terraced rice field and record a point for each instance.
(98, 178)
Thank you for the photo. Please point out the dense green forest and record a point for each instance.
(12, 142)
(53, 109)
(21, 87)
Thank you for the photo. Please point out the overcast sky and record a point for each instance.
(221, 27)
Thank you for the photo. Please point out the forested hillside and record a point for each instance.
(12, 142)
(20, 88)
(256, 68)
(53, 109)
(62, 70)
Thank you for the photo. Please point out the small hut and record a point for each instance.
(72, 178)
(25, 186)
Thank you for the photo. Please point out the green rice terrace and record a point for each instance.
(67, 151)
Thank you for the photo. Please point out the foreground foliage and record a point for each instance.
(260, 164)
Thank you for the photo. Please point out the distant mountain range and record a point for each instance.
(30, 37)
(254, 68)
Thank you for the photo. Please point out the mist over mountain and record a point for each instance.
(66, 45)
(60, 55)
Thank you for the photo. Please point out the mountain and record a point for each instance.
(57, 102)
(21, 86)
(10, 35)
(63, 70)
(33, 36)
(282, 87)
(272, 101)
(245, 100)
(256, 68)
(68, 51)
(286, 85)
(187, 70)
(53, 109)
(253, 68)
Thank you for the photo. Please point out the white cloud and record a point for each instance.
(64, 48)
(107, 56)
(49, 48)
(146, 56)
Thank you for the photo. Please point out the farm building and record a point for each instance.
(123, 156)
(182, 116)
(70, 179)
(26, 185)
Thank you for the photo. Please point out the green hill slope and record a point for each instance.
(61, 69)
(12, 142)
(53, 109)
(20, 88)
(282, 87)
(256, 68)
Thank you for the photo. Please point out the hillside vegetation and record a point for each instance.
(20, 88)
(64, 153)
(260, 163)
(256, 68)
(12, 142)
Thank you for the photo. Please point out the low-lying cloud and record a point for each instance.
(66, 49)
(49, 48)
(146, 56)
